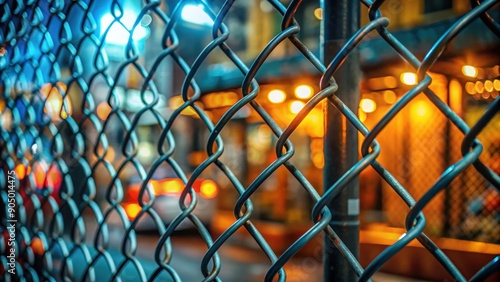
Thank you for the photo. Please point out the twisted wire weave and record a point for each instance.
(39, 35)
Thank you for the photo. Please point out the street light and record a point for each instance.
(409, 78)
(119, 32)
(303, 91)
(367, 105)
(276, 96)
(296, 106)
(469, 71)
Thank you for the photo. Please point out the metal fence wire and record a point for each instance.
(69, 142)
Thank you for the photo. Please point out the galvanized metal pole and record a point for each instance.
(340, 22)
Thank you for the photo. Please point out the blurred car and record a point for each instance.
(167, 193)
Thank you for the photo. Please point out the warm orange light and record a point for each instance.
(409, 78)
(496, 84)
(455, 100)
(469, 71)
(55, 177)
(496, 70)
(276, 96)
(390, 82)
(470, 87)
(382, 82)
(189, 111)
(103, 110)
(479, 87)
(362, 115)
(318, 13)
(157, 187)
(21, 171)
(40, 175)
(37, 246)
(318, 160)
(367, 105)
(110, 155)
(132, 210)
(390, 97)
(296, 106)
(172, 186)
(47, 89)
(55, 106)
(488, 85)
(208, 189)
(421, 109)
(176, 102)
(46, 177)
(303, 91)
(314, 124)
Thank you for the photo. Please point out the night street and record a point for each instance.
(238, 263)
(334, 141)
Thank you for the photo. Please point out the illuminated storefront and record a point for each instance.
(466, 78)
(416, 135)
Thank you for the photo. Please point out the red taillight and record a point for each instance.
(208, 189)
(133, 193)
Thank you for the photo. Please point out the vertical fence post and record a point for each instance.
(340, 22)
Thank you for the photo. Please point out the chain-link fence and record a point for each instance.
(106, 131)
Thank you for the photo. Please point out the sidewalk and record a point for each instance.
(188, 270)
(413, 261)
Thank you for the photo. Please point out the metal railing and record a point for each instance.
(69, 142)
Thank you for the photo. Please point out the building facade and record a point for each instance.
(466, 78)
